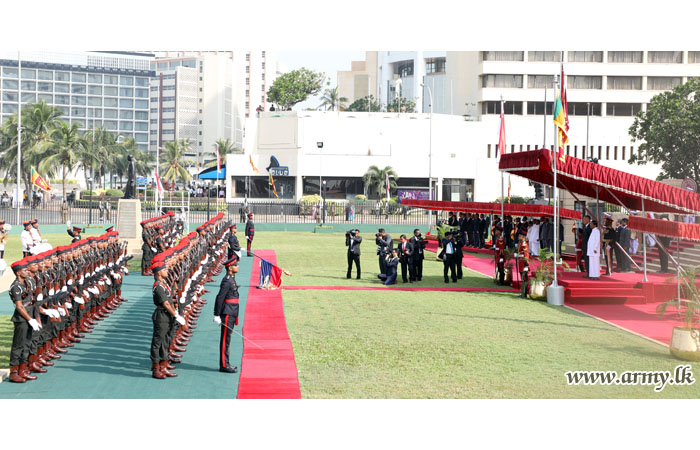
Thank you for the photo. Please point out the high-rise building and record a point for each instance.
(361, 80)
(108, 89)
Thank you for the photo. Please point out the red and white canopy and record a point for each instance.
(612, 186)
(495, 208)
(681, 230)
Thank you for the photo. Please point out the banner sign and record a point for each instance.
(280, 171)
(413, 194)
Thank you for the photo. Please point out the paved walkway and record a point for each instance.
(113, 361)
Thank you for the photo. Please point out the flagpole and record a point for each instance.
(19, 139)
(555, 293)
(501, 151)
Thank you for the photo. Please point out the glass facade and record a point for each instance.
(80, 94)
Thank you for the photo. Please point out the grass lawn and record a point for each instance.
(364, 344)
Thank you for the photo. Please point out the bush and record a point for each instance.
(361, 197)
(114, 193)
(87, 193)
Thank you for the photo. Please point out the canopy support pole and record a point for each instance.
(644, 246)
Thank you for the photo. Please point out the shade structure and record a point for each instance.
(680, 230)
(210, 174)
(493, 208)
(610, 185)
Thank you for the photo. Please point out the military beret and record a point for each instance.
(109, 229)
(77, 230)
(26, 223)
(19, 265)
(35, 221)
(157, 266)
(232, 262)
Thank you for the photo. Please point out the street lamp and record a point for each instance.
(90, 188)
(319, 144)
(323, 200)
(430, 147)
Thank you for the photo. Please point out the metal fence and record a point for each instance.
(97, 211)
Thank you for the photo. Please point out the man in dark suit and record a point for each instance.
(508, 231)
(484, 230)
(624, 241)
(391, 266)
(476, 231)
(452, 220)
(459, 254)
(418, 255)
(353, 241)
(448, 259)
(405, 252)
(586, 235)
(665, 242)
(385, 245)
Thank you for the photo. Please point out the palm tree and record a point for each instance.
(62, 151)
(375, 178)
(330, 99)
(38, 122)
(101, 152)
(226, 147)
(174, 162)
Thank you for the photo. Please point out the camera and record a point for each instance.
(377, 235)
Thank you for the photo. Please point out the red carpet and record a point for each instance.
(270, 372)
(641, 319)
(393, 288)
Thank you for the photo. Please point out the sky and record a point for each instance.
(329, 62)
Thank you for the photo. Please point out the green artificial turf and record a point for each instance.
(6, 331)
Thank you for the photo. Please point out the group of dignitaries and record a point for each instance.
(59, 295)
(180, 273)
(616, 241)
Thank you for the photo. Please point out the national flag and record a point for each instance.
(388, 189)
(502, 135)
(159, 186)
(564, 102)
(218, 161)
(508, 188)
(271, 182)
(255, 169)
(560, 122)
(39, 182)
(270, 275)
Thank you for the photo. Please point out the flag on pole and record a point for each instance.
(271, 182)
(388, 188)
(564, 102)
(255, 169)
(270, 275)
(39, 182)
(159, 186)
(502, 135)
(560, 123)
(508, 188)
(218, 161)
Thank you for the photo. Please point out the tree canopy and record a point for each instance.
(375, 179)
(295, 87)
(670, 132)
(360, 105)
(330, 99)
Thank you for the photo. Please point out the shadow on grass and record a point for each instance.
(536, 322)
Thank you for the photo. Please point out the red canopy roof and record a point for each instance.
(688, 231)
(582, 177)
(495, 208)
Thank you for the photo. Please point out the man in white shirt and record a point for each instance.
(533, 235)
(448, 245)
(593, 252)
(34, 231)
(26, 238)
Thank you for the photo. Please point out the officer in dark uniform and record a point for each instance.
(75, 234)
(233, 245)
(163, 317)
(226, 313)
(250, 232)
(24, 322)
(417, 256)
(159, 244)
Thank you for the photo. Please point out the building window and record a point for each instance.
(693, 57)
(11, 72)
(625, 57)
(502, 81)
(503, 56)
(191, 63)
(494, 107)
(582, 109)
(48, 75)
(200, 132)
(247, 69)
(126, 114)
(662, 83)
(623, 109)
(665, 57)
(540, 81)
(111, 91)
(111, 102)
(58, 99)
(584, 82)
(404, 69)
(31, 86)
(247, 81)
(126, 92)
(435, 65)
(262, 98)
(78, 77)
(77, 100)
(488, 150)
(141, 115)
(263, 53)
(200, 143)
(537, 108)
(544, 56)
(262, 87)
(247, 56)
(262, 77)
(595, 57)
(625, 83)
(13, 85)
(126, 103)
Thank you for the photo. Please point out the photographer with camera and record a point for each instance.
(417, 256)
(384, 247)
(353, 241)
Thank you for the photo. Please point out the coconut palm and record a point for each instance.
(101, 152)
(62, 151)
(375, 179)
(173, 162)
(226, 147)
(330, 99)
